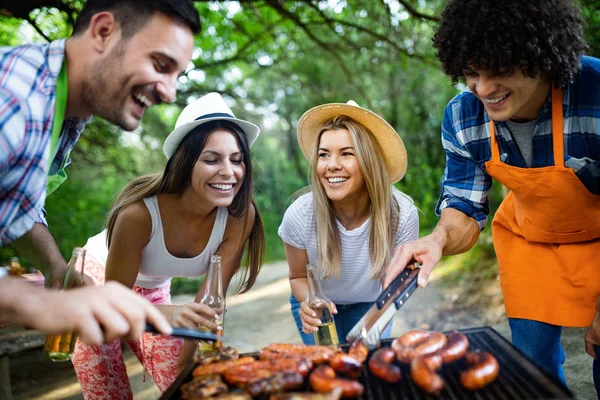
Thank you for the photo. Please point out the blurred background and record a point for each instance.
(272, 60)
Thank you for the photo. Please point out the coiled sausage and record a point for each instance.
(417, 343)
(323, 380)
(346, 364)
(358, 350)
(484, 370)
(381, 365)
(455, 348)
(423, 372)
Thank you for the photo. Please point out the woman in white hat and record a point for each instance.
(169, 224)
(352, 219)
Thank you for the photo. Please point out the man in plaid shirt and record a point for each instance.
(123, 57)
(530, 119)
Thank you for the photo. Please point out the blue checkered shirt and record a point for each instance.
(28, 77)
(466, 141)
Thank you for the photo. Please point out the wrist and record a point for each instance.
(30, 304)
(440, 236)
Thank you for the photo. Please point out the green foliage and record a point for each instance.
(272, 61)
(10, 31)
(185, 285)
(479, 263)
(591, 17)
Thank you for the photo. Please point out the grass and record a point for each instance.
(479, 263)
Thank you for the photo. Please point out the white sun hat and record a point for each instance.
(209, 107)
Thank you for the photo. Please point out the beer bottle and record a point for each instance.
(60, 347)
(15, 267)
(214, 298)
(327, 334)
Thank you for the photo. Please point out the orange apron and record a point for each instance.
(545, 235)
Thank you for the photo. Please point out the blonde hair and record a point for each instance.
(177, 176)
(383, 208)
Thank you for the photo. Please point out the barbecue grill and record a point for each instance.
(519, 378)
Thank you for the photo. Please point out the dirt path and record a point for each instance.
(262, 316)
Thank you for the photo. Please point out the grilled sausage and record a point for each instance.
(220, 367)
(410, 338)
(243, 375)
(316, 354)
(484, 370)
(276, 383)
(416, 344)
(423, 372)
(455, 348)
(334, 395)
(381, 365)
(346, 364)
(323, 380)
(359, 351)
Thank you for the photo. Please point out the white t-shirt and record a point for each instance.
(299, 229)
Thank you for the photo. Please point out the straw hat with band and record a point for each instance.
(209, 107)
(392, 147)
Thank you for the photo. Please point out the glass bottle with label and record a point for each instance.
(327, 334)
(214, 298)
(60, 347)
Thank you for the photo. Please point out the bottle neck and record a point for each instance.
(315, 290)
(214, 280)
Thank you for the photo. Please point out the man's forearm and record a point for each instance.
(456, 231)
(39, 248)
(17, 300)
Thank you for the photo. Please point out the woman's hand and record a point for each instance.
(191, 315)
(310, 318)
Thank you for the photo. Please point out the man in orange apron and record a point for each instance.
(530, 120)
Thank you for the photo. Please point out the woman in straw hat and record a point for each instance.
(170, 224)
(353, 217)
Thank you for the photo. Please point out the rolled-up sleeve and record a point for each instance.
(465, 185)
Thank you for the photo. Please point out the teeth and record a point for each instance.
(496, 100)
(143, 99)
(220, 186)
(337, 180)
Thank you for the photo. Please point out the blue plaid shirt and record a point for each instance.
(28, 77)
(466, 140)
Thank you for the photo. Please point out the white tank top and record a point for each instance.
(158, 266)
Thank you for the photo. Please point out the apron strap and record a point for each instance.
(558, 142)
(60, 106)
(494, 143)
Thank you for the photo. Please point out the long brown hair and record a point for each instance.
(177, 176)
(383, 208)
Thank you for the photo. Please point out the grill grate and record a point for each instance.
(519, 378)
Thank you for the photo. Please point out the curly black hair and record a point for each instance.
(540, 37)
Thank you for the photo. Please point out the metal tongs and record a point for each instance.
(374, 322)
(195, 334)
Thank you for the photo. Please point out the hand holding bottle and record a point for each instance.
(321, 310)
(311, 317)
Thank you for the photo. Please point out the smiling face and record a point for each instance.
(337, 166)
(138, 72)
(219, 171)
(508, 95)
